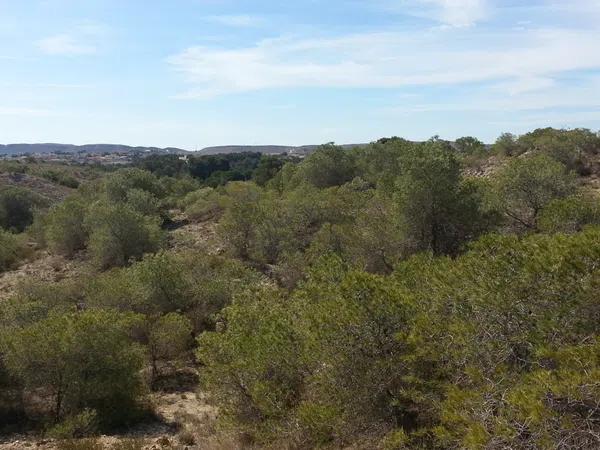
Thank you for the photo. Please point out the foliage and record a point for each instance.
(526, 185)
(169, 338)
(17, 207)
(64, 230)
(328, 166)
(119, 234)
(83, 360)
(12, 250)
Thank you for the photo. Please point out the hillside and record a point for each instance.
(19, 149)
(265, 149)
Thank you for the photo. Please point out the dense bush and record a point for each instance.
(80, 361)
(119, 234)
(492, 350)
(12, 250)
(17, 206)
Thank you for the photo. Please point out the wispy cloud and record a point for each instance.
(452, 13)
(64, 45)
(238, 20)
(81, 40)
(390, 60)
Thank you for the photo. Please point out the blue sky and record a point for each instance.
(193, 73)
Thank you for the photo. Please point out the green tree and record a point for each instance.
(84, 360)
(17, 206)
(526, 185)
(328, 166)
(440, 212)
(12, 250)
(64, 226)
(170, 337)
(119, 234)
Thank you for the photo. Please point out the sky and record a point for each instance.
(196, 73)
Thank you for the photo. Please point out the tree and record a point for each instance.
(570, 214)
(267, 169)
(64, 226)
(507, 144)
(469, 145)
(11, 250)
(169, 338)
(17, 206)
(440, 212)
(328, 166)
(526, 185)
(81, 360)
(119, 234)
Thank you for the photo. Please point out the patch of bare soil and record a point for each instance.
(55, 192)
(45, 267)
(185, 420)
(189, 235)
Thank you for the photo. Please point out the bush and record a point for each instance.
(17, 207)
(119, 234)
(12, 250)
(78, 426)
(64, 226)
(526, 185)
(169, 338)
(81, 361)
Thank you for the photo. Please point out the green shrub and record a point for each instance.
(64, 226)
(119, 234)
(17, 206)
(81, 361)
(78, 426)
(12, 250)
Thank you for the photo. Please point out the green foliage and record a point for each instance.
(495, 346)
(64, 230)
(202, 204)
(570, 214)
(80, 425)
(469, 145)
(328, 166)
(12, 250)
(440, 213)
(169, 338)
(17, 206)
(119, 234)
(252, 362)
(80, 361)
(526, 185)
(267, 168)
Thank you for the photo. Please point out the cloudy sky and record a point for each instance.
(193, 73)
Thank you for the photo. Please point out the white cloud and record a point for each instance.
(390, 60)
(240, 20)
(82, 39)
(452, 13)
(64, 45)
(458, 13)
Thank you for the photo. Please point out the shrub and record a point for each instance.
(169, 338)
(17, 206)
(119, 234)
(81, 361)
(528, 184)
(78, 426)
(12, 250)
(64, 226)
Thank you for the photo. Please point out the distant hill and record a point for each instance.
(19, 149)
(266, 149)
